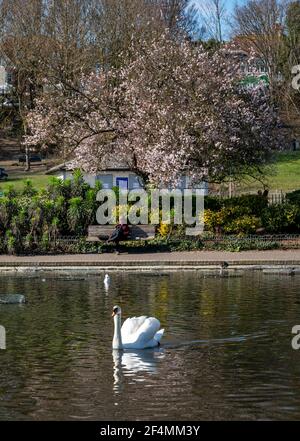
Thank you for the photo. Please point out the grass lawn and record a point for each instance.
(287, 171)
(283, 175)
(38, 180)
(17, 176)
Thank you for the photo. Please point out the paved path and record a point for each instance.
(175, 259)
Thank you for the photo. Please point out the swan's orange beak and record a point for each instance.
(113, 314)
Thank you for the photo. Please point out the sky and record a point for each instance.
(229, 4)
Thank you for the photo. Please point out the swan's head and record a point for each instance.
(116, 311)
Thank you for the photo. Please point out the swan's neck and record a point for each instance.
(117, 340)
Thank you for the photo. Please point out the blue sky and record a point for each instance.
(229, 6)
(229, 3)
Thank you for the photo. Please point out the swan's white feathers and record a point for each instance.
(141, 331)
(131, 325)
(158, 335)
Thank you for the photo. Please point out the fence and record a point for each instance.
(291, 238)
(207, 237)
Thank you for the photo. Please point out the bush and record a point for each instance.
(213, 203)
(281, 218)
(243, 245)
(32, 220)
(232, 220)
(249, 203)
(293, 197)
(252, 203)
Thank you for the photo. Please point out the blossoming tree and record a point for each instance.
(174, 109)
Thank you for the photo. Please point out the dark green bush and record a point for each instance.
(252, 203)
(213, 203)
(293, 197)
(281, 218)
(32, 220)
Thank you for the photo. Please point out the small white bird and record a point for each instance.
(106, 280)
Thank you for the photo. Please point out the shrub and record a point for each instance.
(213, 203)
(164, 229)
(28, 189)
(243, 245)
(246, 224)
(293, 197)
(231, 220)
(11, 243)
(281, 218)
(252, 203)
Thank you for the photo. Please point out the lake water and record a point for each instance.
(226, 353)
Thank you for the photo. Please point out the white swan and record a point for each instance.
(136, 333)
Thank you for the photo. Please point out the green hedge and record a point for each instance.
(249, 214)
(31, 221)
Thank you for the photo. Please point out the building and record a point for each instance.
(116, 175)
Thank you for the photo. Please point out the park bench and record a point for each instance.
(96, 233)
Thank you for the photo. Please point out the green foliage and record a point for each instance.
(32, 220)
(281, 218)
(253, 204)
(294, 197)
(232, 220)
(28, 189)
(213, 203)
(11, 243)
(248, 214)
(242, 245)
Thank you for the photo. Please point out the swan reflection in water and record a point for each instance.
(130, 363)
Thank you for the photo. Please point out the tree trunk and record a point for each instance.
(27, 156)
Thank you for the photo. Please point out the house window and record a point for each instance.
(134, 182)
(106, 181)
(122, 183)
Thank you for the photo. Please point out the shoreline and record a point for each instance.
(166, 262)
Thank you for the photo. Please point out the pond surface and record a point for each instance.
(226, 352)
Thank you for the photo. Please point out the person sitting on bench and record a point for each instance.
(121, 232)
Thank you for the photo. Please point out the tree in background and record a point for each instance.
(261, 23)
(173, 109)
(272, 29)
(291, 58)
(21, 46)
(55, 42)
(213, 15)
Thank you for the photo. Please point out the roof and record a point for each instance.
(110, 165)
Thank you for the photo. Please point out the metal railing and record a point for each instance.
(290, 238)
(213, 238)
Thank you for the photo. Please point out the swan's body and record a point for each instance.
(136, 333)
